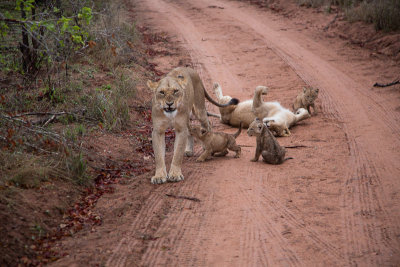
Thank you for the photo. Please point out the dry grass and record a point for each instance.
(384, 14)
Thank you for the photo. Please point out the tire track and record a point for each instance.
(314, 71)
(362, 199)
(177, 226)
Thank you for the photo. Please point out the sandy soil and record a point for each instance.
(337, 203)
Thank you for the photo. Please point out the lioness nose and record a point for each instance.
(170, 103)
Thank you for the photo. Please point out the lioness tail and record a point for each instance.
(233, 101)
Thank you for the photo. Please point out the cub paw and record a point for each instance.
(157, 179)
(254, 160)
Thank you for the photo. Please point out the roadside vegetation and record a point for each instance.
(65, 74)
(384, 14)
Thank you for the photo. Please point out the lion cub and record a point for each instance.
(306, 99)
(267, 145)
(216, 143)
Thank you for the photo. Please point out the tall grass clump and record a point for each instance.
(384, 14)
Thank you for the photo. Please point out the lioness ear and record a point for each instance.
(182, 80)
(203, 131)
(152, 85)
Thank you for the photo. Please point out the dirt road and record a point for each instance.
(337, 203)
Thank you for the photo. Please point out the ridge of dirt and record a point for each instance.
(336, 203)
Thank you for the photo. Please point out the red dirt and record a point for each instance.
(336, 203)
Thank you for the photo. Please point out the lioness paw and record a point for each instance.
(188, 153)
(158, 179)
(175, 177)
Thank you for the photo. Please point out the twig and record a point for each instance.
(245, 146)
(387, 84)
(40, 114)
(330, 23)
(49, 120)
(295, 146)
(32, 146)
(184, 197)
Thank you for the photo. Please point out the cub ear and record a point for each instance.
(316, 90)
(304, 89)
(182, 80)
(152, 85)
(203, 131)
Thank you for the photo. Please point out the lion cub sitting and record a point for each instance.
(306, 99)
(216, 143)
(267, 145)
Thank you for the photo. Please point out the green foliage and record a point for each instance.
(53, 35)
(54, 94)
(76, 165)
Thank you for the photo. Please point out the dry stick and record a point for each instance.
(184, 197)
(40, 114)
(330, 23)
(49, 120)
(245, 146)
(295, 146)
(32, 146)
(387, 84)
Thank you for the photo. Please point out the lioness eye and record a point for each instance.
(162, 92)
(176, 91)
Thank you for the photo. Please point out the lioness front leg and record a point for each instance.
(158, 137)
(189, 146)
(175, 172)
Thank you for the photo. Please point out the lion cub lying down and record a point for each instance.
(233, 115)
(277, 118)
(216, 143)
(267, 145)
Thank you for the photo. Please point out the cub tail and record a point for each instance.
(239, 131)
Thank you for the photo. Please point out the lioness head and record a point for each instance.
(255, 128)
(310, 94)
(168, 93)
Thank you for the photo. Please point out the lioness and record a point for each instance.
(267, 145)
(276, 117)
(235, 114)
(306, 99)
(175, 96)
(216, 143)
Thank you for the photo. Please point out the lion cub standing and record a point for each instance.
(216, 143)
(306, 99)
(267, 145)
